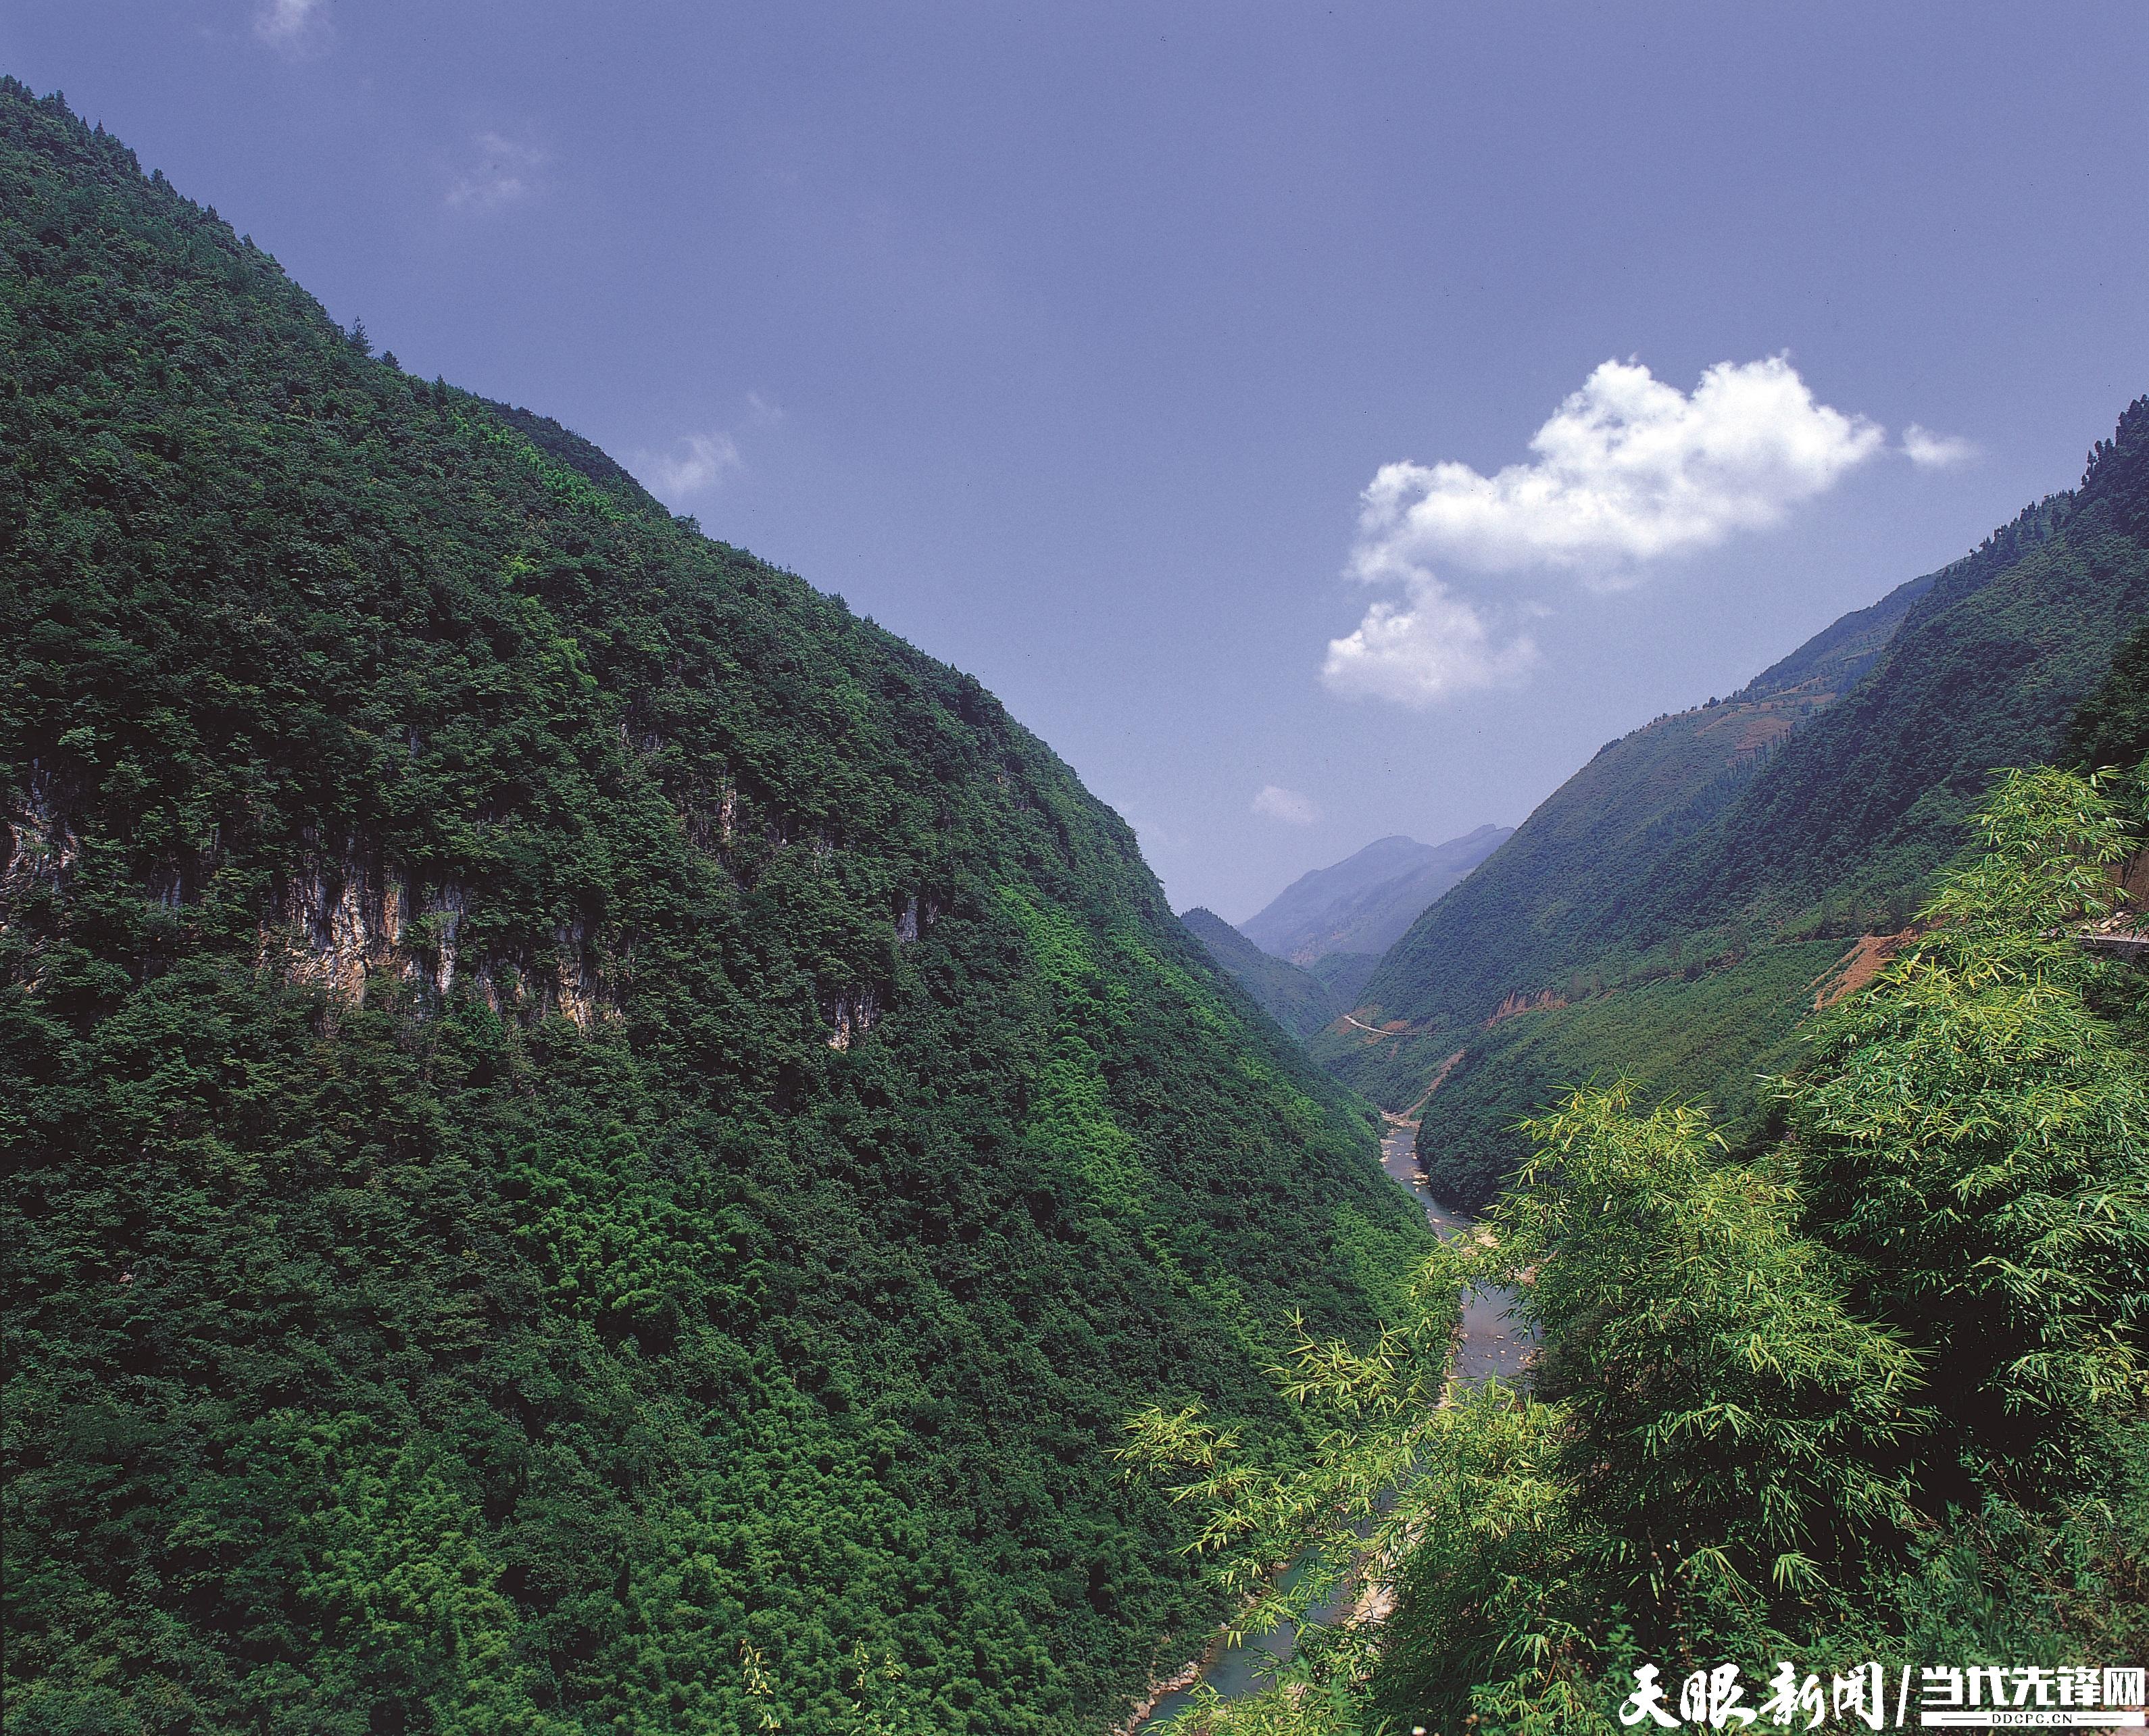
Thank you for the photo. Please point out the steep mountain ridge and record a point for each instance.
(1989, 668)
(1536, 905)
(594, 1142)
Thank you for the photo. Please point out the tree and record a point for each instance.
(1974, 1140)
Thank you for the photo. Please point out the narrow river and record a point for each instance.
(1491, 1343)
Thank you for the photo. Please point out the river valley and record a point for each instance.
(1491, 1342)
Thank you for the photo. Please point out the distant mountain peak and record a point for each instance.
(1365, 902)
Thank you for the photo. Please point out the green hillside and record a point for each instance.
(594, 1142)
(1531, 932)
(1692, 874)
(2111, 729)
(1296, 1000)
(1562, 890)
(1345, 974)
(1715, 1037)
(1987, 672)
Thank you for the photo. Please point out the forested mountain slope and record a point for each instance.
(2111, 729)
(1666, 913)
(1296, 1000)
(1987, 672)
(1513, 935)
(593, 1142)
(1344, 974)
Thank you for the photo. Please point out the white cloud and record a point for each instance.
(1436, 645)
(764, 409)
(505, 173)
(1932, 451)
(1273, 801)
(698, 464)
(291, 25)
(1627, 472)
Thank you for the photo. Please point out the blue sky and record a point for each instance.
(1068, 341)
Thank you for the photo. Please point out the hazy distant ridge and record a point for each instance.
(1368, 901)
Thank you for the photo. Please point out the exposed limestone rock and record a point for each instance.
(708, 816)
(580, 991)
(854, 1014)
(346, 914)
(1517, 1002)
(346, 917)
(42, 847)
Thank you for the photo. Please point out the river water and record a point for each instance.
(1491, 1342)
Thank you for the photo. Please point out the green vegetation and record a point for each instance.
(1345, 974)
(1297, 999)
(1691, 871)
(1560, 896)
(2111, 729)
(593, 1141)
(1716, 1035)
(1874, 1389)
(1862, 809)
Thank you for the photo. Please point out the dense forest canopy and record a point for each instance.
(1298, 1000)
(593, 1141)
